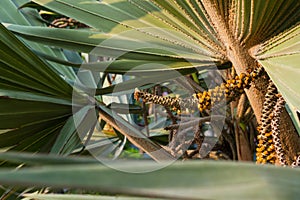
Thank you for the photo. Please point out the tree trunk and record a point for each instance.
(289, 137)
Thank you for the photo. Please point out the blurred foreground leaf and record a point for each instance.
(185, 180)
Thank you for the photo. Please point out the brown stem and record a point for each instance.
(153, 149)
(145, 117)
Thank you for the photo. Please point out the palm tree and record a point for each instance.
(44, 103)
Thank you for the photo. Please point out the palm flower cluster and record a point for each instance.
(265, 151)
(269, 148)
(229, 90)
(275, 122)
(296, 163)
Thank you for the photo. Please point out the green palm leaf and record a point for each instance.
(30, 17)
(188, 180)
(112, 17)
(79, 197)
(35, 100)
(280, 57)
